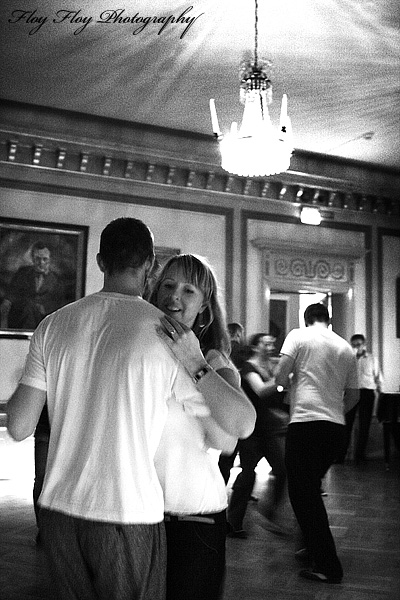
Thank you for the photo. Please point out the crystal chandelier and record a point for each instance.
(256, 149)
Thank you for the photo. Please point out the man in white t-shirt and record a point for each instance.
(107, 377)
(324, 387)
(370, 382)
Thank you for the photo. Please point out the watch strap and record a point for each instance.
(201, 373)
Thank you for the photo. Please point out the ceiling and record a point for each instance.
(337, 60)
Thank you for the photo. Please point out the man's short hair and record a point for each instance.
(39, 246)
(125, 242)
(234, 328)
(316, 312)
(357, 336)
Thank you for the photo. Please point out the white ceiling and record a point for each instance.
(338, 61)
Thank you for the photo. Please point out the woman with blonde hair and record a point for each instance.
(194, 491)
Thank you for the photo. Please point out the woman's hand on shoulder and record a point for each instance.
(182, 342)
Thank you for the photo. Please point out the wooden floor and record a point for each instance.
(364, 508)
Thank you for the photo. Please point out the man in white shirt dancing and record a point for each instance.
(107, 377)
(323, 387)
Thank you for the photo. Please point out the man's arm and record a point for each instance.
(23, 411)
(377, 376)
(351, 397)
(285, 367)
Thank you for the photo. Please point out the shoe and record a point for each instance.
(320, 577)
(238, 533)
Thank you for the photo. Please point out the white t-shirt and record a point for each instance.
(187, 469)
(108, 379)
(324, 366)
(369, 376)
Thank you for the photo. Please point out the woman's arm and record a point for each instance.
(229, 407)
(216, 436)
(263, 389)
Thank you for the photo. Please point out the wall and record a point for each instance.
(12, 358)
(197, 232)
(81, 169)
(391, 346)
(201, 233)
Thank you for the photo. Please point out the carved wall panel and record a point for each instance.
(295, 268)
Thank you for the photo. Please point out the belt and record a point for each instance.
(209, 518)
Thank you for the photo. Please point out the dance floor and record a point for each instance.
(363, 503)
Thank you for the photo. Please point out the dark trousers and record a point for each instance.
(364, 408)
(311, 448)
(93, 560)
(252, 450)
(225, 463)
(195, 559)
(41, 451)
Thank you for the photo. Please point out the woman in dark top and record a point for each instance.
(42, 436)
(267, 440)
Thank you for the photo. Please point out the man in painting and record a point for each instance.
(35, 291)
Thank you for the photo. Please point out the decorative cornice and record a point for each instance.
(125, 151)
(48, 154)
(279, 246)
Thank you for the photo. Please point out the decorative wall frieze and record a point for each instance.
(106, 166)
(290, 267)
(97, 159)
(309, 268)
(83, 162)
(12, 150)
(62, 153)
(37, 154)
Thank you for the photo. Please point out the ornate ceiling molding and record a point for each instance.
(92, 147)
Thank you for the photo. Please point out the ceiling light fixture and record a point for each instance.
(310, 215)
(256, 149)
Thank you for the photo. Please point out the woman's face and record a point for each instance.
(179, 298)
(266, 346)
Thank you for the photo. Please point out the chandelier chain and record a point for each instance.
(256, 35)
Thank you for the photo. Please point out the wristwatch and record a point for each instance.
(201, 372)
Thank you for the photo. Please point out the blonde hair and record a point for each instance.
(210, 325)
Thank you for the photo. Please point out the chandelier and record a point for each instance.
(257, 149)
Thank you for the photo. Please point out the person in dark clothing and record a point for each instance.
(238, 348)
(267, 440)
(236, 335)
(42, 436)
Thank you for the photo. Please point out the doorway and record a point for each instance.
(286, 310)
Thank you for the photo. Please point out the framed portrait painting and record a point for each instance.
(42, 268)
